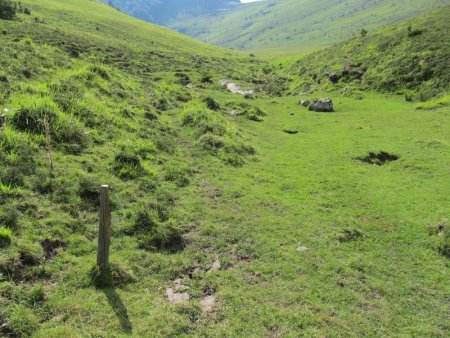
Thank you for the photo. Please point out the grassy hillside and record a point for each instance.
(161, 11)
(298, 23)
(271, 219)
(410, 58)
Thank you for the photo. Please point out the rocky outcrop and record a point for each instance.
(322, 105)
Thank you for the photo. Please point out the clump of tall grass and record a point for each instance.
(216, 134)
(41, 116)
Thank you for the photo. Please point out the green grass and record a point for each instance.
(311, 241)
(387, 60)
(290, 24)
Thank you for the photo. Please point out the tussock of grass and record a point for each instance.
(217, 135)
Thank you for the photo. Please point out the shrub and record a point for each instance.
(5, 237)
(27, 11)
(7, 10)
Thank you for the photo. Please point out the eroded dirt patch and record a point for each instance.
(290, 132)
(51, 247)
(380, 158)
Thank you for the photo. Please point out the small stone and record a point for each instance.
(305, 103)
(257, 274)
(175, 297)
(208, 303)
(302, 249)
(216, 266)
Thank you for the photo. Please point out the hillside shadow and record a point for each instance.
(119, 309)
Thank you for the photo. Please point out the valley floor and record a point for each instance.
(311, 241)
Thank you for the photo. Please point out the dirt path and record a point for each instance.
(234, 88)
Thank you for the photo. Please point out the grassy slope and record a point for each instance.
(299, 190)
(294, 23)
(390, 60)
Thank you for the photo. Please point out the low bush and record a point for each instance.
(7, 10)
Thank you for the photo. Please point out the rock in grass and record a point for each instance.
(302, 249)
(322, 105)
(175, 297)
(208, 304)
(216, 266)
(305, 103)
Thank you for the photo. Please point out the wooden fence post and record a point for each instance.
(104, 231)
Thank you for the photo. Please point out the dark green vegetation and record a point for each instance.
(299, 24)
(7, 10)
(411, 58)
(324, 224)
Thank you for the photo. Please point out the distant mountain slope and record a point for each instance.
(411, 57)
(293, 23)
(160, 12)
